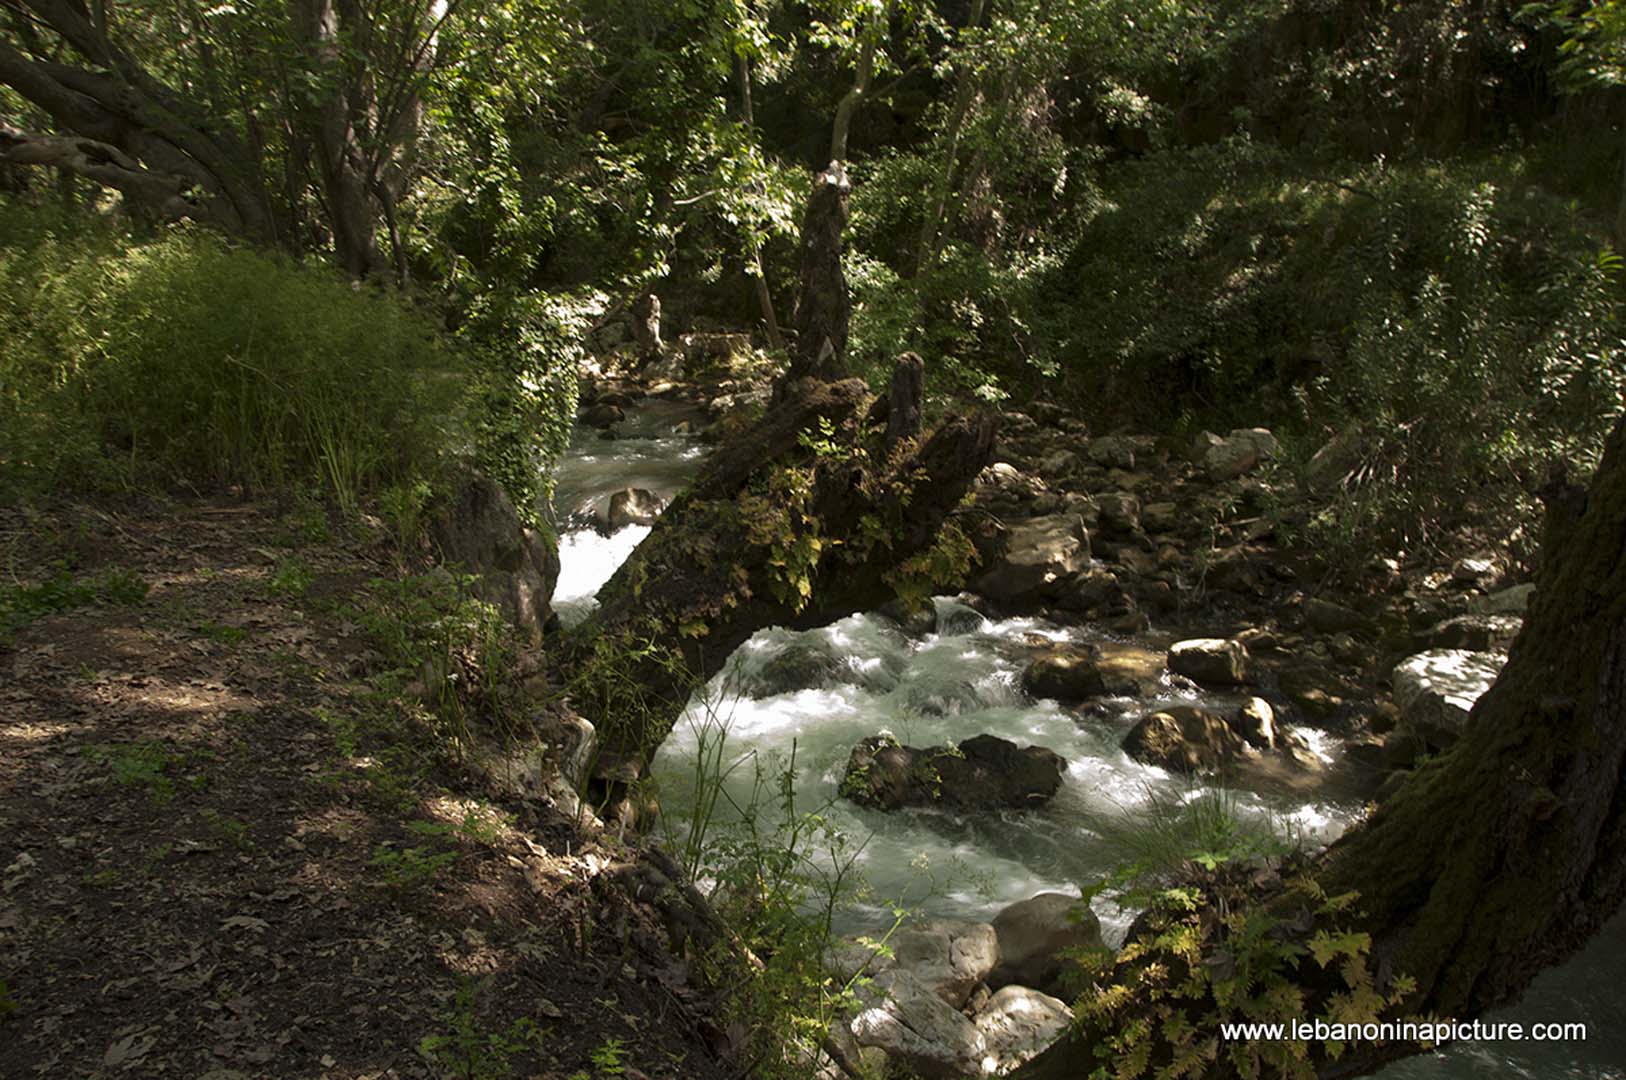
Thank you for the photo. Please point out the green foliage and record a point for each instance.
(142, 764)
(181, 362)
(777, 873)
(62, 591)
(458, 648)
(471, 1053)
(410, 867)
(291, 579)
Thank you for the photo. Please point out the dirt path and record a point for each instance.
(224, 854)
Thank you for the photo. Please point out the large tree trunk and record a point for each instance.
(822, 508)
(1502, 857)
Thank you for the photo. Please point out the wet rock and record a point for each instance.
(1255, 721)
(1032, 935)
(1037, 556)
(918, 1031)
(1183, 738)
(1435, 690)
(982, 773)
(603, 415)
(1066, 674)
(800, 665)
(955, 619)
(633, 506)
(474, 525)
(1016, 1024)
(914, 620)
(1403, 749)
(1210, 661)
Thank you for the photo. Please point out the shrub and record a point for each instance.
(179, 361)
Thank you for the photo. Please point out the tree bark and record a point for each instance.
(1502, 857)
(809, 516)
(824, 309)
(847, 107)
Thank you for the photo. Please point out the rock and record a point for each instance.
(1038, 554)
(633, 506)
(950, 956)
(1183, 738)
(1060, 463)
(1016, 1024)
(1211, 661)
(1238, 453)
(918, 1031)
(1032, 934)
(603, 415)
(1402, 749)
(1091, 590)
(916, 621)
(983, 773)
(1326, 617)
(1335, 460)
(1509, 601)
(956, 619)
(1479, 633)
(1435, 690)
(801, 665)
(1128, 670)
(1160, 516)
(1472, 571)
(1113, 451)
(1067, 674)
(473, 525)
(1120, 512)
(1255, 721)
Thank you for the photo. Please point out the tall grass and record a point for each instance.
(181, 362)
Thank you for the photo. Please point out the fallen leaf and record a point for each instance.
(245, 922)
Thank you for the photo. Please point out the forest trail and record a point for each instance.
(216, 860)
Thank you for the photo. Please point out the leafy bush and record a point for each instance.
(182, 362)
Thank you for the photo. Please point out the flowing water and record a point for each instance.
(805, 698)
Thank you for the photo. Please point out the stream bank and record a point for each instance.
(1170, 540)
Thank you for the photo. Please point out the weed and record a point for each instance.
(608, 1060)
(233, 830)
(102, 879)
(140, 764)
(408, 867)
(472, 1054)
(403, 505)
(344, 729)
(221, 635)
(62, 591)
(291, 579)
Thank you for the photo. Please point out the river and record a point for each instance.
(814, 694)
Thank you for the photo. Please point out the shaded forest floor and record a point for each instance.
(224, 854)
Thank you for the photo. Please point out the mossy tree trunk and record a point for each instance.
(833, 502)
(1503, 857)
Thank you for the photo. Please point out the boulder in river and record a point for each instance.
(633, 506)
(1210, 661)
(1032, 936)
(1074, 672)
(1435, 690)
(984, 772)
(603, 415)
(1188, 739)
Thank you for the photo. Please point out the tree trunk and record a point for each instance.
(930, 229)
(854, 97)
(812, 514)
(770, 317)
(824, 309)
(1502, 857)
(1620, 211)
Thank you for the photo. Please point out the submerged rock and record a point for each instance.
(1187, 739)
(1436, 690)
(982, 773)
